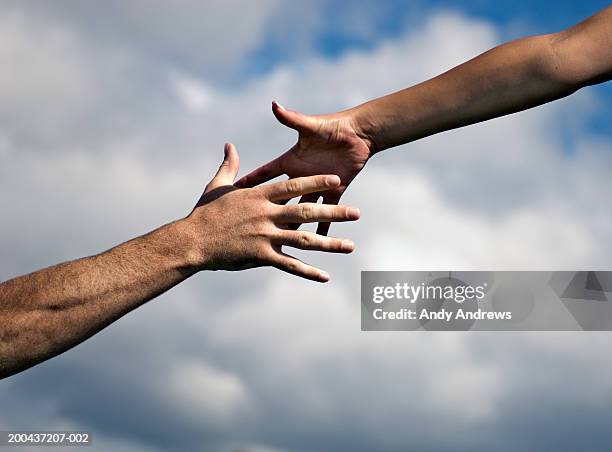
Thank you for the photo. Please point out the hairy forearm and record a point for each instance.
(47, 312)
(509, 78)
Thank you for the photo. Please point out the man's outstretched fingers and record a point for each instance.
(296, 267)
(323, 227)
(310, 197)
(313, 212)
(300, 186)
(305, 240)
(262, 174)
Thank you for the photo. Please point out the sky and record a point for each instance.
(113, 117)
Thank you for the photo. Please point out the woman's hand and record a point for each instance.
(330, 144)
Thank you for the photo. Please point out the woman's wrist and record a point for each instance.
(365, 125)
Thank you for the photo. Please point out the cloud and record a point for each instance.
(211, 395)
(188, 35)
(193, 94)
(102, 141)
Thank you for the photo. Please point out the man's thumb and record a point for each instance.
(228, 170)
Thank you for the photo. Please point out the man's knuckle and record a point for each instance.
(304, 240)
(263, 253)
(292, 185)
(263, 230)
(307, 212)
(268, 209)
(291, 266)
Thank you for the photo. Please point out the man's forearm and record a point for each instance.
(47, 312)
(509, 78)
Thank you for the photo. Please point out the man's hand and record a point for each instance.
(326, 144)
(43, 315)
(236, 228)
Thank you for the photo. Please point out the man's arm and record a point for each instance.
(48, 312)
(509, 78)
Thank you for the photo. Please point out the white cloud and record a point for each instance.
(212, 396)
(46, 79)
(194, 95)
(212, 37)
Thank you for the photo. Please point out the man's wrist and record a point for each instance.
(186, 245)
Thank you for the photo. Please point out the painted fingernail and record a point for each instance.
(347, 245)
(353, 213)
(324, 276)
(332, 181)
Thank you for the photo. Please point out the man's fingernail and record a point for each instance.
(353, 213)
(347, 245)
(278, 105)
(332, 181)
(324, 276)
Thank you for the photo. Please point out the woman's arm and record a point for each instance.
(512, 77)
(509, 78)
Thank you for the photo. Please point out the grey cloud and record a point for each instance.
(188, 34)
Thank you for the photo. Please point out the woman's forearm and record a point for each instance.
(506, 79)
(509, 78)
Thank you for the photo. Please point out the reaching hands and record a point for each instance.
(237, 229)
(326, 145)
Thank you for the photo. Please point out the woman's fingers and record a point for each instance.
(305, 240)
(262, 174)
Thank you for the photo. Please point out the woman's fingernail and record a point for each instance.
(324, 276)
